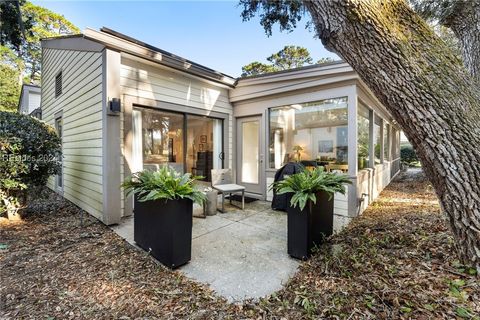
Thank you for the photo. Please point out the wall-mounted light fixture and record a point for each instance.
(115, 105)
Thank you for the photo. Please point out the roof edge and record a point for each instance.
(123, 43)
(312, 66)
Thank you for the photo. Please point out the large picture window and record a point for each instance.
(184, 142)
(378, 139)
(309, 132)
(386, 141)
(363, 129)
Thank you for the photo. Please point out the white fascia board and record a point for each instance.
(241, 94)
(318, 71)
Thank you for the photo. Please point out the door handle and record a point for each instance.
(221, 155)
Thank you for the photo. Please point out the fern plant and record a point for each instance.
(165, 183)
(305, 185)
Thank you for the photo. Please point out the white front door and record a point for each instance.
(250, 173)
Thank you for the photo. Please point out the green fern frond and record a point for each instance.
(165, 183)
(307, 183)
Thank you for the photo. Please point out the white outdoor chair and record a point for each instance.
(222, 181)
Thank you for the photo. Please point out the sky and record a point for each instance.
(207, 32)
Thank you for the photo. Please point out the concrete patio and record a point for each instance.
(239, 254)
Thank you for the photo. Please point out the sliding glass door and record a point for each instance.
(162, 139)
(184, 142)
(204, 145)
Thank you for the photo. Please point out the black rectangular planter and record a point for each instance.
(308, 228)
(164, 228)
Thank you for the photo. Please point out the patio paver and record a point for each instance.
(239, 254)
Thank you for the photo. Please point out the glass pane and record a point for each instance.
(250, 141)
(386, 140)
(162, 140)
(204, 145)
(137, 145)
(378, 140)
(363, 127)
(313, 133)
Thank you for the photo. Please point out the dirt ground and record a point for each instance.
(397, 260)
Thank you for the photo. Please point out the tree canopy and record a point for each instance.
(23, 25)
(13, 26)
(287, 58)
(44, 24)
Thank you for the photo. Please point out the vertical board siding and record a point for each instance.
(81, 104)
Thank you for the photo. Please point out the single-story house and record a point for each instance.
(121, 105)
(29, 101)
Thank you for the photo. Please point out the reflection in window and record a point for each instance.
(363, 127)
(386, 140)
(314, 131)
(378, 140)
(204, 145)
(162, 139)
(159, 140)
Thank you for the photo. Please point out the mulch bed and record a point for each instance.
(395, 261)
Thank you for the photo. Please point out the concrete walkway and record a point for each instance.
(239, 254)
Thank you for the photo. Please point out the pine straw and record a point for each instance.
(395, 261)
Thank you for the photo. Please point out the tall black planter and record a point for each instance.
(308, 227)
(165, 229)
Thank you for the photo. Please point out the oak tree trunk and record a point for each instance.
(465, 24)
(428, 92)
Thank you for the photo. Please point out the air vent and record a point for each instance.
(58, 84)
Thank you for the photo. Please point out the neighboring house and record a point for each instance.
(29, 102)
(121, 105)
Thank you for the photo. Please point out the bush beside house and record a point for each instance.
(30, 153)
(408, 155)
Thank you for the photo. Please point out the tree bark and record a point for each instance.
(427, 90)
(465, 24)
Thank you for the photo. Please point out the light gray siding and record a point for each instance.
(152, 85)
(81, 107)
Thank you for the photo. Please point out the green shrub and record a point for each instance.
(165, 183)
(304, 185)
(407, 154)
(30, 153)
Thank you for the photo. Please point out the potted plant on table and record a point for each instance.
(163, 206)
(310, 209)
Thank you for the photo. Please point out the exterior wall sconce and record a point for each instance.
(115, 105)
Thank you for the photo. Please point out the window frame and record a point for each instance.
(268, 120)
(185, 116)
(370, 112)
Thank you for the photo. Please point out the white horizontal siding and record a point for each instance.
(81, 104)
